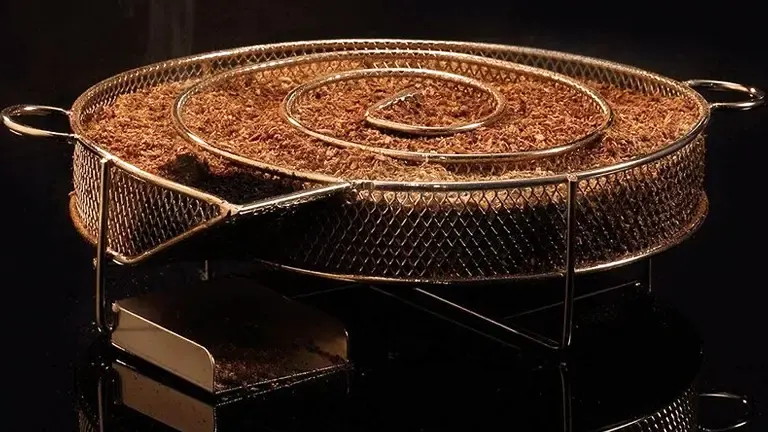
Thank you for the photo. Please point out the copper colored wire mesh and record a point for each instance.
(461, 233)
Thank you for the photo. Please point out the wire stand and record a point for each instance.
(193, 332)
(427, 301)
(415, 296)
(492, 328)
(102, 305)
(495, 329)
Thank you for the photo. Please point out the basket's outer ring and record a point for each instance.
(218, 61)
(206, 83)
(686, 233)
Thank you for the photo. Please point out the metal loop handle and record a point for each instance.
(737, 424)
(10, 113)
(756, 96)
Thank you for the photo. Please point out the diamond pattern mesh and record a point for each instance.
(142, 215)
(680, 416)
(456, 234)
(471, 235)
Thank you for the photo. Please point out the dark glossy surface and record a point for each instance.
(54, 50)
(415, 372)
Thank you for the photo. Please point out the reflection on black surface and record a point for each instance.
(415, 372)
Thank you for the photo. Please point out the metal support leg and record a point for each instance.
(566, 388)
(493, 328)
(205, 271)
(648, 275)
(102, 403)
(105, 391)
(459, 315)
(570, 263)
(101, 249)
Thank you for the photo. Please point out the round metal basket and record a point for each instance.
(442, 232)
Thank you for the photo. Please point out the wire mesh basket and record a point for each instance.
(442, 232)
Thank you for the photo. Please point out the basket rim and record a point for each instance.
(414, 186)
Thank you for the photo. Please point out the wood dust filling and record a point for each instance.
(245, 367)
(539, 114)
(245, 119)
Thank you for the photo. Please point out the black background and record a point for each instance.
(53, 51)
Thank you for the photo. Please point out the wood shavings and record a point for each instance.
(245, 120)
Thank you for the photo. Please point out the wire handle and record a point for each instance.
(737, 424)
(11, 113)
(756, 96)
